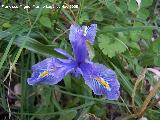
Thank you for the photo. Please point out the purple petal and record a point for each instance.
(77, 40)
(45, 64)
(50, 71)
(78, 37)
(101, 80)
(63, 52)
(77, 72)
(90, 32)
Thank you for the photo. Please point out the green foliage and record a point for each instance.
(45, 21)
(124, 42)
(111, 45)
(132, 5)
(68, 116)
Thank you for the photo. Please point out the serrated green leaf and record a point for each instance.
(134, 35)
(45, 21)
(111, 46)
(133, 45)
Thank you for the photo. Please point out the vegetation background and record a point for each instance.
(127, 41)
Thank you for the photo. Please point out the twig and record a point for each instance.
(148, 99)
(71, 11)
(140, 77)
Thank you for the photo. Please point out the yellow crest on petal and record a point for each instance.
(101, 80)
(43, 74)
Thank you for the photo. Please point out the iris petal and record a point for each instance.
(78, 37)
(101, 80)
(50, 71)
(90, 32)
(63, 52)
(77, 40)
(77, 72)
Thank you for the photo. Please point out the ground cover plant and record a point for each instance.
(126, 42)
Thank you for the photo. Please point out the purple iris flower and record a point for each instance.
(99, 78)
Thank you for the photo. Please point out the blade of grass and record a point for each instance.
(36, 46)
(127, 85)
(124, 29)
(6, 52)
(148, 99)
(24, 88)
(140, 78)
(103, 100)
(21, 48)
(59, 112)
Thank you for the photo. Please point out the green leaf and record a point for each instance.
(3, 58)
(84, 17)
(32, 44)
(68, 115)
(45, 21)
(134, 35)
(99, 15)
(143, 13)
(98, 111)
(147, 34)
(133, 45)
(4, 34)
(156, 45)
(111, 45)
(156, 50)
(123, 6)
(69, 17)
(157, 61)
(146, 59)
(124, 29)
(7, 25)
(67, 82)
(51, 1)
(132, 5)
(111, 7)
(146, 3)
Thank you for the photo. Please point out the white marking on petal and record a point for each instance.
(85, 31)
